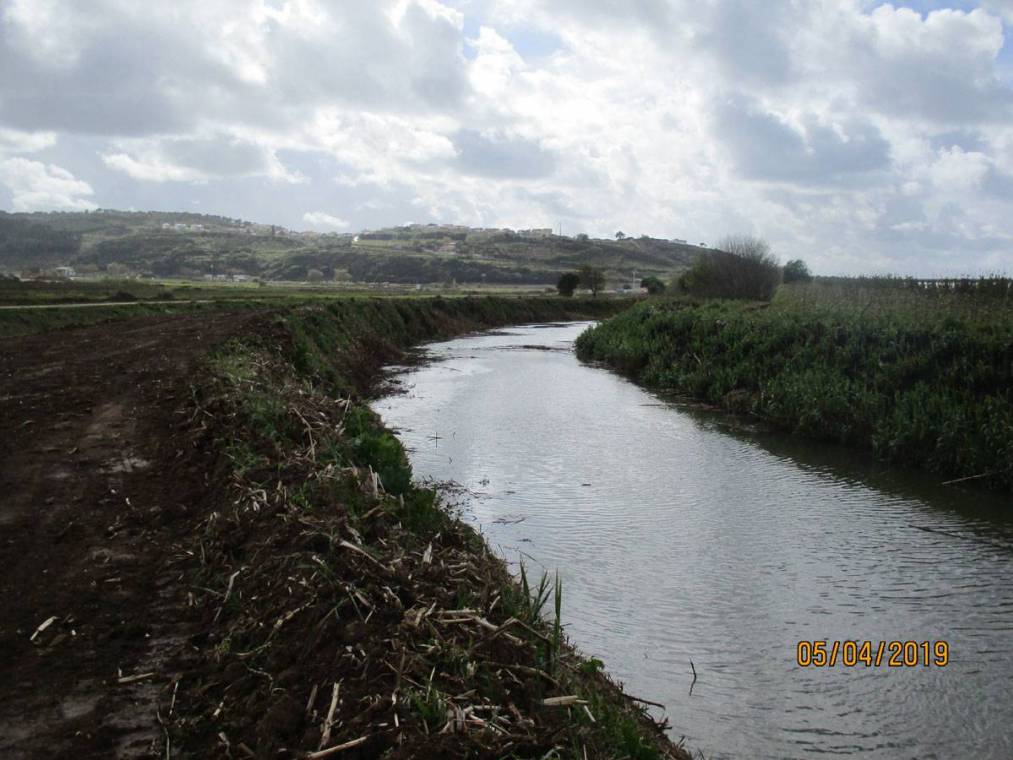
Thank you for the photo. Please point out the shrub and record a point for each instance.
(567, 284)
(654, 285)
(797, 271)
(741, 267)
(592, 278)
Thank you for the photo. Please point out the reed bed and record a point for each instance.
(919, 376)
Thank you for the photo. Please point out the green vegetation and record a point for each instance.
(109, 300)
(23, 239)
(326, 335)
(592, 278)
(919, 375)
(796, 270)
(740, 267)
(567, 283)
(324, 576)
(193, 246)
(654, 285)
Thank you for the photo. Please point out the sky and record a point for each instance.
(862, 137)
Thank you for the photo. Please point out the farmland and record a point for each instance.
(190, 246)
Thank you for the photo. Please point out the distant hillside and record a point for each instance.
(195, 245)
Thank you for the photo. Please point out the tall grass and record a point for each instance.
(988, 300)
(922, 378)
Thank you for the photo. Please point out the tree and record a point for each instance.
(592, 278)
(568, 283)
(620, 235)
(654, 285)
(740, 267)
(315, 275)
(797, 271)
(582, 237)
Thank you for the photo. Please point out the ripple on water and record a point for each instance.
(680, 538)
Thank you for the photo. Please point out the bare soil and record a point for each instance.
(94, 492)
(151, 594)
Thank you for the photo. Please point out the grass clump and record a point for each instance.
(378, 448)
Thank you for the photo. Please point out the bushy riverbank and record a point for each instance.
(18, 318)
(921, 380)
(344, 609)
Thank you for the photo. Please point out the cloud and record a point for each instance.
(765, 146)
(500, 156)
(35, 186)
(861, 136)
(197, 160)
(16, 141)
(749, 40)
(151, 169)
(1003, 8)
(114, 67)
(939, 67)
(319, 219)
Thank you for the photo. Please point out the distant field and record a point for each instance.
(32, 307)
(79, 291)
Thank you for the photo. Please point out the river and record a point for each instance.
(683, 534)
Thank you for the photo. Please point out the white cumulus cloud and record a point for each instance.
(35, 186)
(322, 220)
(859, 136)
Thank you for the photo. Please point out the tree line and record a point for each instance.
(741, 266)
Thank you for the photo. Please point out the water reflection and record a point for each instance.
(680, 534)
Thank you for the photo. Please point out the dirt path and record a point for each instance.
(93, 489)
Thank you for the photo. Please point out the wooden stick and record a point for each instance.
(572, 699)
(646, 701)
(969, 477)
(364, 553)
(309, 434)
(138, 677)
(337, 748)
(326, 733)
(43, 626)
(228, 592)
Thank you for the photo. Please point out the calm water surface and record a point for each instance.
(682, 535)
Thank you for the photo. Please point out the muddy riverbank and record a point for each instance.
(214, 549)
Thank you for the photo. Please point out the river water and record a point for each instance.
(683, 534)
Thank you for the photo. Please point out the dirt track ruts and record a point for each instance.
(94, 483)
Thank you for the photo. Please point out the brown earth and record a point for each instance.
(137, 562)
(92, 488)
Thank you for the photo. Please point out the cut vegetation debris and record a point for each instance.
(342, 610)
(272, 584)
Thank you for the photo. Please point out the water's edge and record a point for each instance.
(490, 415)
